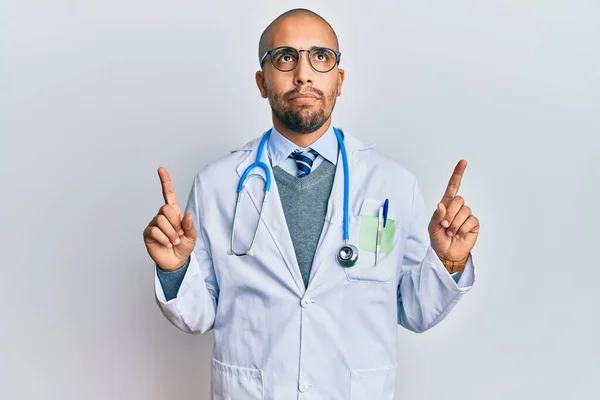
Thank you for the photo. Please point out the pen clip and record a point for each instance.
(378, 237)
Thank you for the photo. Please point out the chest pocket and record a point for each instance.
(364, 235)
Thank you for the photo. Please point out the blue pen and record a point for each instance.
(385, 211)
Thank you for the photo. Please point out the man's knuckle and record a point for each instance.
(161, 219)
(154, 230)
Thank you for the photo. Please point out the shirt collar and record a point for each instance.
(281, 147)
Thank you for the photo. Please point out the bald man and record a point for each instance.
(295, 314)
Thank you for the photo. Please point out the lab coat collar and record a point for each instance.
(352, 143)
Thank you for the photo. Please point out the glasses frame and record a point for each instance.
(269, 53)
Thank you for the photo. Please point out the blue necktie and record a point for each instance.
(304, 160)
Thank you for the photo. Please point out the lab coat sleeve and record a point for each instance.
(193, 309)
(426, 290)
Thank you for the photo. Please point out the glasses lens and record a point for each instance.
(323, 60)
(284, 59)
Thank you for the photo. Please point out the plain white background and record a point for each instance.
(95, 96)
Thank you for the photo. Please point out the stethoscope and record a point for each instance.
(347, 255)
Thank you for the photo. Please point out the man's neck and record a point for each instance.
(301, 139)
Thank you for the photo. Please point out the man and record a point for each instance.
(289, 321)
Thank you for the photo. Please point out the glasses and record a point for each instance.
(286, 58)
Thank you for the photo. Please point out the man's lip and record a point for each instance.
(304, 95)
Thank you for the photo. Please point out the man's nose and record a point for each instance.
(303, 73)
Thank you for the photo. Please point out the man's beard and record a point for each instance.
(302, 119)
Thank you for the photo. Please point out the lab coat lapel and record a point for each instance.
(332, 235)
(273, 218)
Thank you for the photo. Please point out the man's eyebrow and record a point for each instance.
(310, 48)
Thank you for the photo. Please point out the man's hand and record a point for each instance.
(453, 229)
(169, 237)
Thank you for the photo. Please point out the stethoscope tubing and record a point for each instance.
(346, 248)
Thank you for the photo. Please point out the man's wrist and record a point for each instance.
(454, 266)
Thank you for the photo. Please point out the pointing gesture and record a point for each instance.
(170, 237)
(453, 229)
(454, 183)
(167, 190)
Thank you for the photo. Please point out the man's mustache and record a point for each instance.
(297, 91)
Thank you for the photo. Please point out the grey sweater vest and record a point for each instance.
(304, 202)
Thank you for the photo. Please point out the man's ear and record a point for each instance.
(260, 82)
(341, 76)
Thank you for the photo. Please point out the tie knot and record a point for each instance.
(312, 154)
(304, 160)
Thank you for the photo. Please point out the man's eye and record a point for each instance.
(321, 56)
(284, 58)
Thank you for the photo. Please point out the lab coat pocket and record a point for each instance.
(364, 235)
(375, 383)
(234, 383)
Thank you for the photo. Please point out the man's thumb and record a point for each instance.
(187, 223)
(437, 218)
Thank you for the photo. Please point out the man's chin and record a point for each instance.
(303, 119)
(309, 127)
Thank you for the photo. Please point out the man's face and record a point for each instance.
(302, 99)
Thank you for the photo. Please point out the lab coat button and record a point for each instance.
(305, 302)
(304, 386)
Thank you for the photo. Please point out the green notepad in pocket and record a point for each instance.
(367, 237)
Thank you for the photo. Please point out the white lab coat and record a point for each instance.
(276, 340)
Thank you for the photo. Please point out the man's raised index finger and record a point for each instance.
(167, 186)
(454, 182)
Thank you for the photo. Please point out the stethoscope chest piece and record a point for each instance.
(347, 255)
